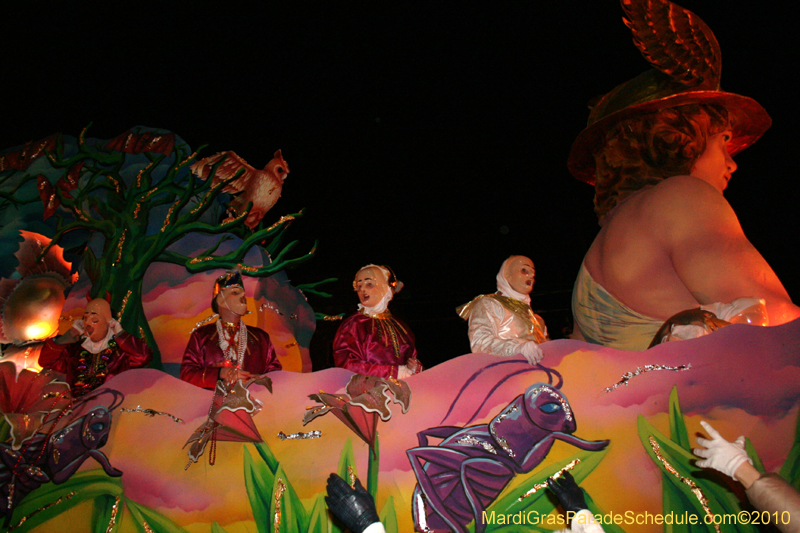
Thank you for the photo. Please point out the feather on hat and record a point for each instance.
(687, 64)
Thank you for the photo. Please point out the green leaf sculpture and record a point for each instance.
(515, 500)
(50, 500)
(686, 487)
(319, 521)
(109, 505)
(294, 514)
(156, 522)
(388, 516)
(347, 463)
(790, 471)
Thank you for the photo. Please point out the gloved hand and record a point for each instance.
(720, 454)
(532, 352)
(354, 508)
(568, 492)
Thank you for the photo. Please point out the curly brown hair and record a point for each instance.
(647, 149)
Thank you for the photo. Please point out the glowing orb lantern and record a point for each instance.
(31, 301)
(32, 310)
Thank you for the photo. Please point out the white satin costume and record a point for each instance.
(504, 323)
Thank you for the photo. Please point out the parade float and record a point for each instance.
(146, 223)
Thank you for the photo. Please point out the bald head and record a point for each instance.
(96, 317)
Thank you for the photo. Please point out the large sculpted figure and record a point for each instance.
(228, 349)
(503, 323)
(93, 350)
(371, 341)
(658, 150)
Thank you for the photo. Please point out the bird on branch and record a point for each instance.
(261, 187)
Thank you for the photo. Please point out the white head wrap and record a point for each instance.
(383, 303)
(505, 288)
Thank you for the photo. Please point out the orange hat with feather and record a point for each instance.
(687, 63)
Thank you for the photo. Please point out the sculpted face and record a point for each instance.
(95, 319)
(370, 286)
(715, 166)
(520, 274)
(233, 299)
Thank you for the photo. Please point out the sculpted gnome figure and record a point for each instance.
(503, 323)
(93, 350)
(228, 349)
(372, 341)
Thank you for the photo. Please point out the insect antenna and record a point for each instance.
(472, 378)
(117, 396)
(549, 371)
(497, 385)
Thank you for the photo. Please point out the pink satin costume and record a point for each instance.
(203, 357)
(373, 346)
(130, 353)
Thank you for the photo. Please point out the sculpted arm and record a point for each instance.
(137, 351)
(194, 367)
(711, 254)
(54, 356)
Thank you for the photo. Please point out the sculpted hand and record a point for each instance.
(231, 375)
(532, 352)
(414, 365)
(69, 337)
(353, 507)
(720, 454)
(403, 372)
(568, 492)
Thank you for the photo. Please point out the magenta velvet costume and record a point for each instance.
(129, 353)
(203, 357)
(373, 346)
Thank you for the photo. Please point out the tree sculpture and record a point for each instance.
(133, 198)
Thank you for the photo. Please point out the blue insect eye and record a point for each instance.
(550, 407)
(98, 426)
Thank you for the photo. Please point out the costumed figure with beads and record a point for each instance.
(372, 341)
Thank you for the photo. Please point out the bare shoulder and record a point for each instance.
(685, 202)
(685, 190)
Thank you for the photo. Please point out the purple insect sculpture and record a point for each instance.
(466, 472)
(57, 455)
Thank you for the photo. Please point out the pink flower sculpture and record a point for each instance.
(26, 399)
(230, 418)
(367, 398)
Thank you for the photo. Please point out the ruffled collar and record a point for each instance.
(91, 346)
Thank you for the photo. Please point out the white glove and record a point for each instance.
(532, 352)
(404, 372)
(720, 454)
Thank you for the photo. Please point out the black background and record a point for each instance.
(433, 139)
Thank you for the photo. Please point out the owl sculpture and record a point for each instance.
(261, 187)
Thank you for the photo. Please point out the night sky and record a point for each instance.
(430, 139)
